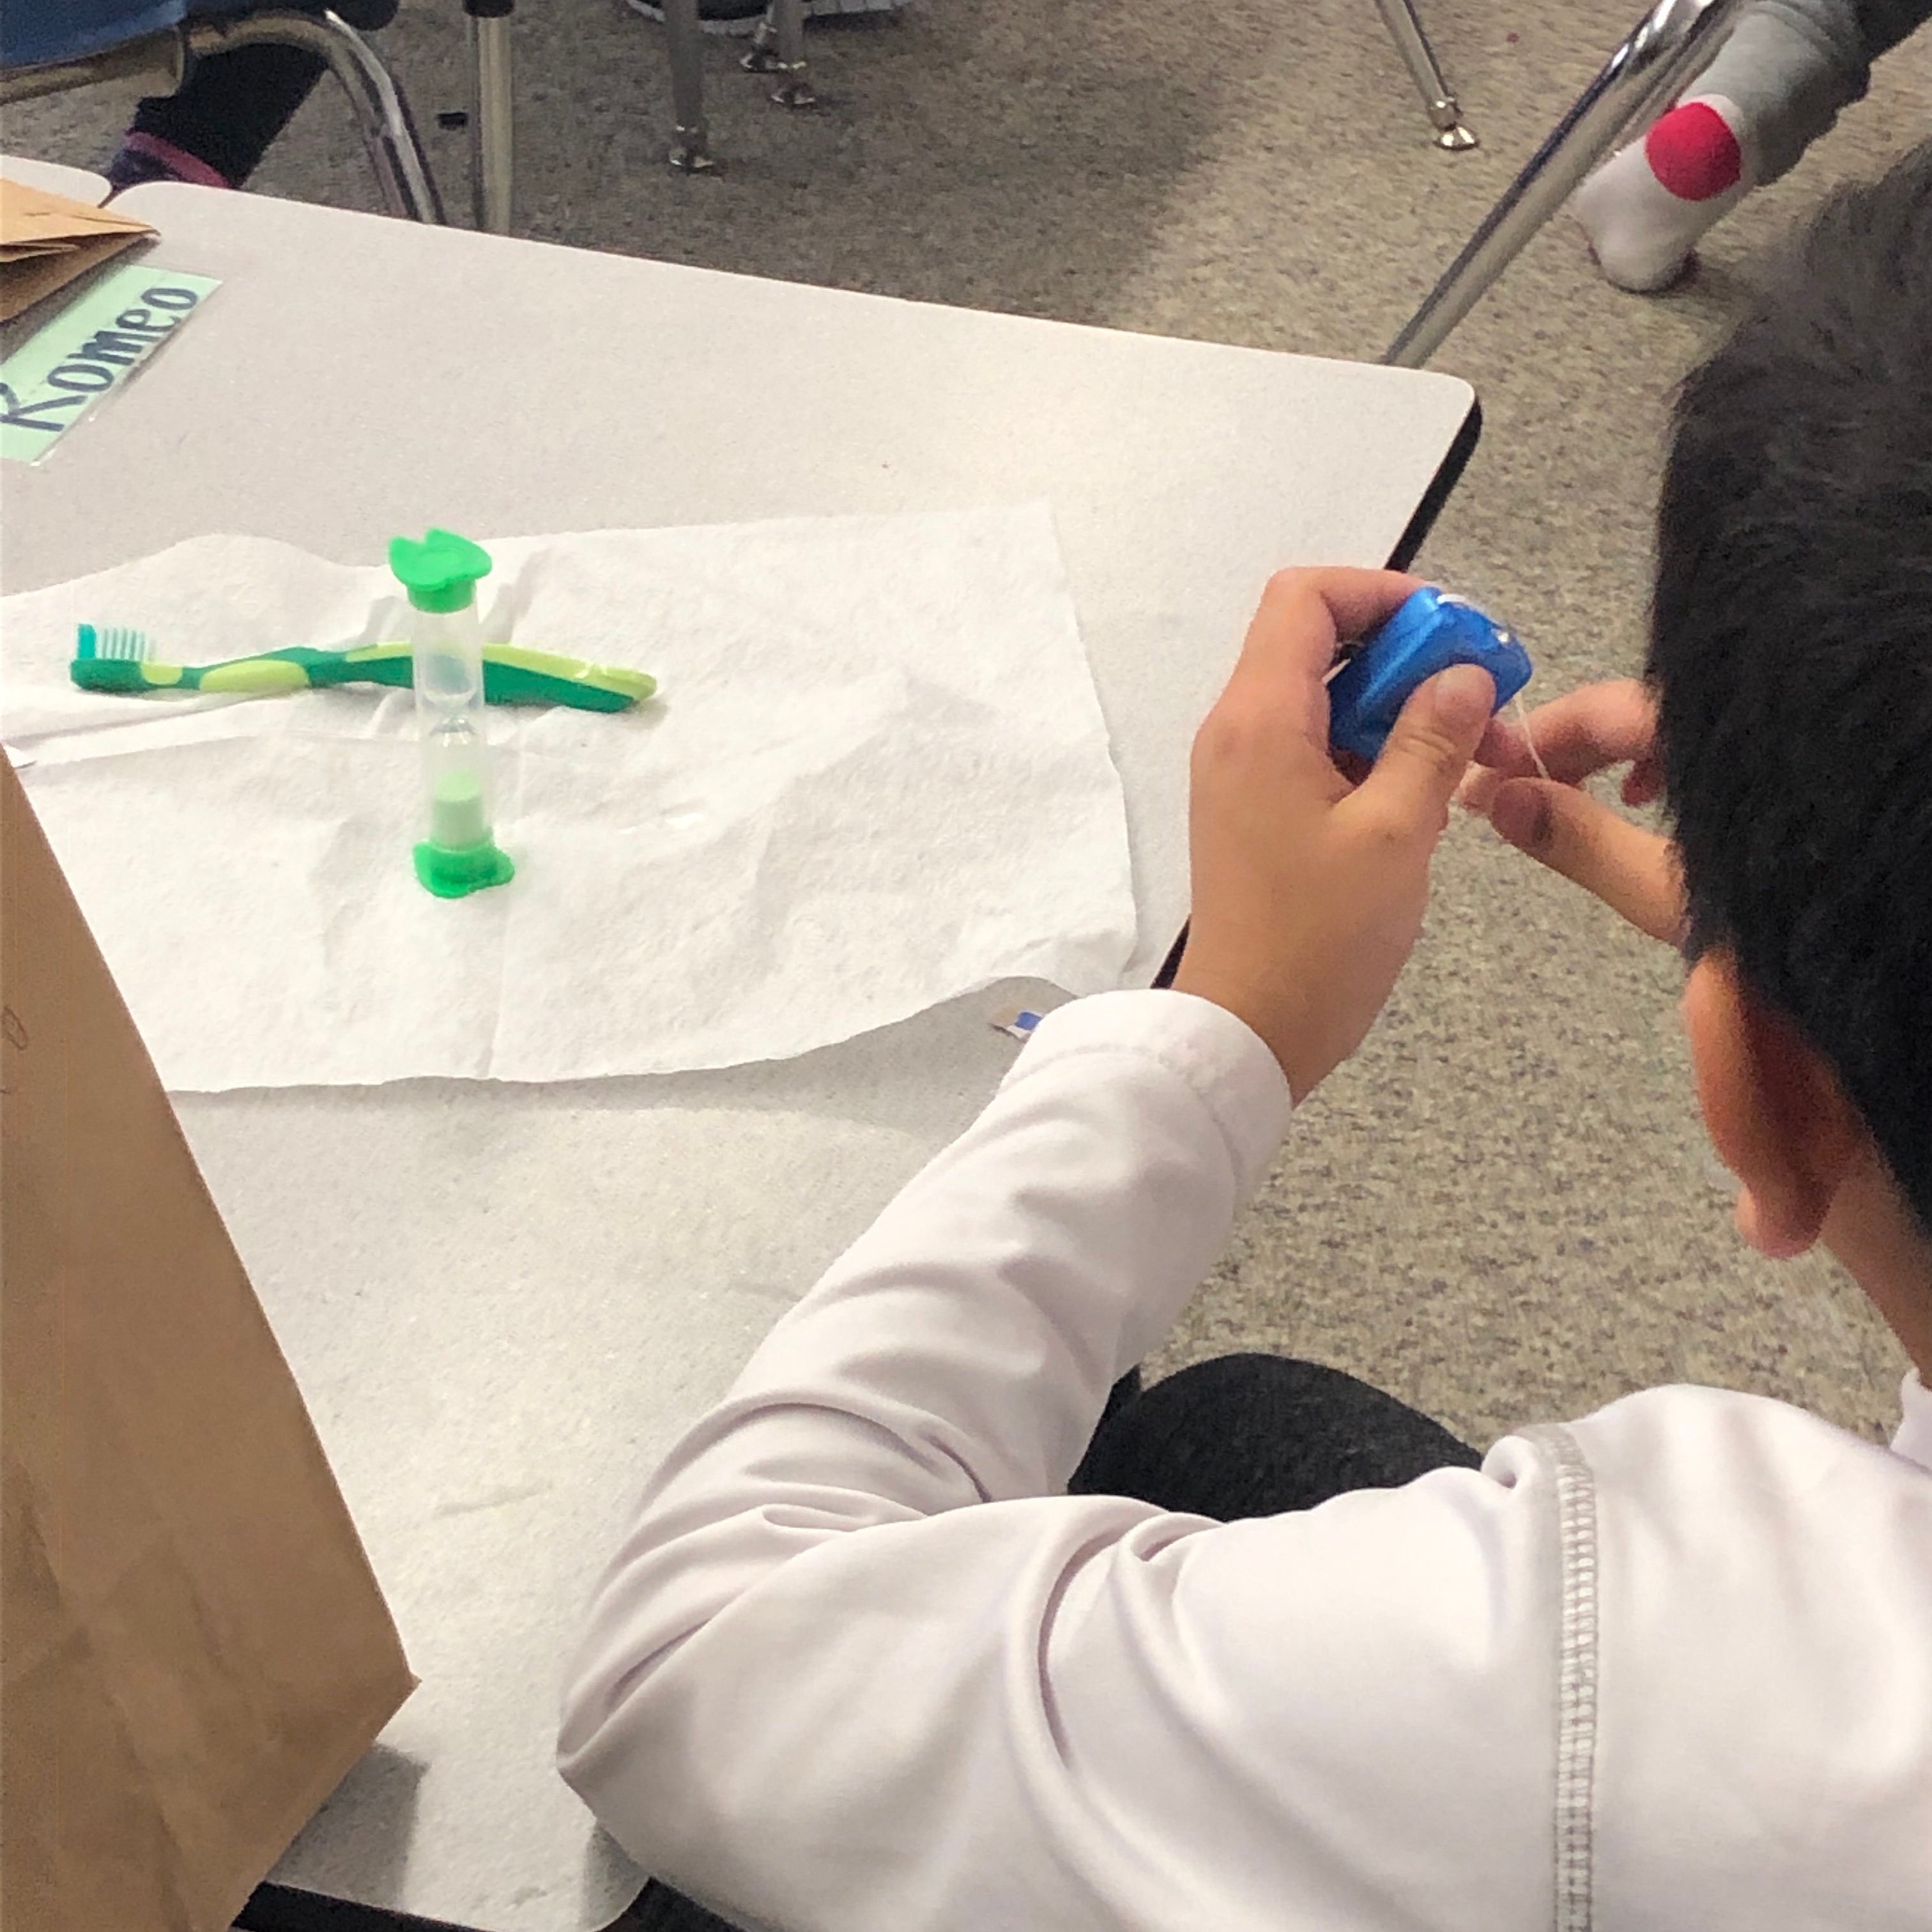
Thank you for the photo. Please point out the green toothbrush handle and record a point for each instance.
(297, 669)
(514, 675)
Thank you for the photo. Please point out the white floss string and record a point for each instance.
(1528, 738)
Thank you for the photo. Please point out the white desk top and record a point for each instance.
(503, 1303)
(80, 185)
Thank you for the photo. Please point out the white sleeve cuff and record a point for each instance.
(1220, 1058)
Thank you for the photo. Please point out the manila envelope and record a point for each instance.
(46, 240)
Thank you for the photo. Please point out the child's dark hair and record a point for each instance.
(1791, 652)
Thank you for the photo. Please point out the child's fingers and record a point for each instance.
(1304, 614)
(1500, 745)
(1427, 752)
(1480, 785)
(1276, 689)
(1634, 872)
(1585, 730)
(1643, 783)
(1355, 601)
(1503, 753)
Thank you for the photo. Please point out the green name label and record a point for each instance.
(87, 351)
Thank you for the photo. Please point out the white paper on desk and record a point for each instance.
(877, 777)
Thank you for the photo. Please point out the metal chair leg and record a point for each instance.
(779, 47)
(690, 137)
(381, 115)
(1405, 26)
(492, 123)
(1672, 43)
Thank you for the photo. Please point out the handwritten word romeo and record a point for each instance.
(98, 363)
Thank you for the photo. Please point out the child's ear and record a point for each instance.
(1776, 1113)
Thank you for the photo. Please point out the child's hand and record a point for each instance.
(1309, 891)
(1589, 729)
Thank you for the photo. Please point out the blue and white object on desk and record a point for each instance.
(1016, 1023)
(1429, 632)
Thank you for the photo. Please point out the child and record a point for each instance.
(864, 1664)
(1776, 84)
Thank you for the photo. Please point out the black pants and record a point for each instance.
(235, 104)
(1242, 1435)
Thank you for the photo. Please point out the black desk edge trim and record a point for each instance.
(1448, 474)
(285, 1908)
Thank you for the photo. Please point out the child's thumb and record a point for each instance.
(1431, 746)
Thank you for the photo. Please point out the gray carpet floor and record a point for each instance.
(1502, 1209)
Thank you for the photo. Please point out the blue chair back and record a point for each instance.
(33, 32)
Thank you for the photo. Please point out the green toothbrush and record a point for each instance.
(113, 658)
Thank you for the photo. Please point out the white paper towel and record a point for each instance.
(876, 777)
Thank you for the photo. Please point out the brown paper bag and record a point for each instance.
(46, 241)
(192, 1647)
